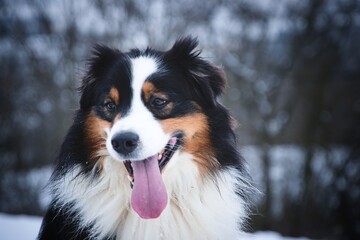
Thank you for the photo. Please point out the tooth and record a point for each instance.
(160, 156)
(130, 178)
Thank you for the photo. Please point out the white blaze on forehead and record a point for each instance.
(142, 68)
(139, 119)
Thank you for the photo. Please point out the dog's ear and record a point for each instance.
(102, 58)
(208, 79)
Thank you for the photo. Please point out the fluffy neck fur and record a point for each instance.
(198, 208)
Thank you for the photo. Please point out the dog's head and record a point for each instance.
(142, 107)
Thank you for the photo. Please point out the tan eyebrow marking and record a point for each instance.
(114, 95)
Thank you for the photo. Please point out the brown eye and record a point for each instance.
(110, 106)
(158, 103)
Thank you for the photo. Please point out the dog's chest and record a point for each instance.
(197, 209)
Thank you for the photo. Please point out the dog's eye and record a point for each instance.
(158, 103)
(110, 106)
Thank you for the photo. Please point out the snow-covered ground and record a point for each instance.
(19, 227)
(22, 227)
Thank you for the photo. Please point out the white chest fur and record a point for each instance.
(198, 208)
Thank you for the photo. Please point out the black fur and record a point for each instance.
(107, 68)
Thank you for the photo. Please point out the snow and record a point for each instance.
(19, 227)
(16, 227)
(267, 235)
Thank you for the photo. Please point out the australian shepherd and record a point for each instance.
(151, 153)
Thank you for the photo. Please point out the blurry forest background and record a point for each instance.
(293, 70)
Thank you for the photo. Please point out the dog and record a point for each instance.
(151, 153)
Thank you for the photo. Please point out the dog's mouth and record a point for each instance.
(149, 196)
(163, 157)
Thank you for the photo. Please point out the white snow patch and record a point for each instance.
(267, 235)
(19, 227)
(27, 227)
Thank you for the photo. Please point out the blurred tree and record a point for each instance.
(301, 87)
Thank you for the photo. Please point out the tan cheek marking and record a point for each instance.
(96, 137)
(196, 140)
(114, 94)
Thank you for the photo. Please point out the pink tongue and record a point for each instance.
(149, 197)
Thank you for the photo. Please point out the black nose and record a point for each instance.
(125, 143)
